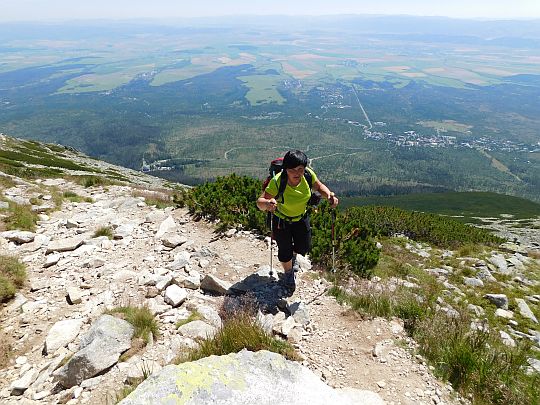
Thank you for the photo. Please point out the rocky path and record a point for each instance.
(165, 260)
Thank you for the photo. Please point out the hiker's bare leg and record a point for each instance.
(287, 266)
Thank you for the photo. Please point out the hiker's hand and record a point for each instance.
(271, 205)
(333, 200)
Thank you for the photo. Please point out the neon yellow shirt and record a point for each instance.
(295, 198)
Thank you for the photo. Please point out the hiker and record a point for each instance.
(290, 219)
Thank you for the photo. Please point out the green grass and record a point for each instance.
(159, 199)
(467, 204)
(239, 332)
(194, 316)
(104, 231)
(20, 170)
(44, 159)
(92, 181)
(73, 197)
(475, 362)
(263, 89)
(21, 217)
(12, 277)
(129, 388)
(142, 320)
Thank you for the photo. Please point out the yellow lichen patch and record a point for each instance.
(197, 377)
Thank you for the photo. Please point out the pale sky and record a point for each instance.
(21, 10)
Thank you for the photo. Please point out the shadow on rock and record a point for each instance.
(267, 289)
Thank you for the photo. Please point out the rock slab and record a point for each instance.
(262, 378)
(100, 349)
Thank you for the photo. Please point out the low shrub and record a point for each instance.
(439, 230)
(231, 200)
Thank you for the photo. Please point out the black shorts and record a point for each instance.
(291, 237)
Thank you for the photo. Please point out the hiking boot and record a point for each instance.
(295, 265)
(289, 279)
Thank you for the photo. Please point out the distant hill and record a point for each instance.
(466, 204)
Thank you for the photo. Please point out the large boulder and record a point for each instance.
(99, 350)
(244, 378)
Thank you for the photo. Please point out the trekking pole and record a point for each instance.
(333, 241)
(271, 242)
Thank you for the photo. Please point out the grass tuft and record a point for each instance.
(21, 217)
(160, 199)
(104, 231)
(475, 362)
(236, 334)
(240, 330)
(73, 197)
(12, 277)
(142, 320)
(129, 388)
(194, 316)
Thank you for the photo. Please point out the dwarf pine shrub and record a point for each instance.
(231, 200)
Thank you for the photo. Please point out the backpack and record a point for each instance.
(276, 166)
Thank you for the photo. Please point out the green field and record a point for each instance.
(468, 204)
(263, 89)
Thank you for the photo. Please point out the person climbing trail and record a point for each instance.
(287, 197)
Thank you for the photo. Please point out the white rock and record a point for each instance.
(62, 333)
(168, 225)
(18, 236)
(288, 325)
(51, 260)
(175, 295)
(303, 262)
(214, 285)
(500, 262)
(18, 387)
(525, 311)
(503, 313)
(507, 339)
(173, 240)
(197, 330)
(74, 295)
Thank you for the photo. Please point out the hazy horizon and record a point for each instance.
(62, 10)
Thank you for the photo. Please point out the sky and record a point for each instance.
(38, 10)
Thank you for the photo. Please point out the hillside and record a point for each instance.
(157, 255)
